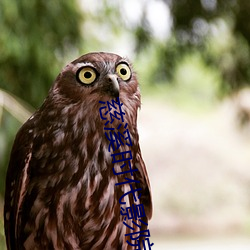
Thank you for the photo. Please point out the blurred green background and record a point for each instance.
(192, 60)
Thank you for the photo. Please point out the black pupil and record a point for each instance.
(87, 74)
(123, 71)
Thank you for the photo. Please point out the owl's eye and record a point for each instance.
(123, 71)
(86, 75)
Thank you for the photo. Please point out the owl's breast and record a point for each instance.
(72, 191)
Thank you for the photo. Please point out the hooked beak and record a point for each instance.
(114, 85)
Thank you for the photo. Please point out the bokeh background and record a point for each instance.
(193, 63)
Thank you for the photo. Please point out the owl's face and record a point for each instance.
(97, 76)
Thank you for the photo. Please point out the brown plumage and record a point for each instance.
(60, 185)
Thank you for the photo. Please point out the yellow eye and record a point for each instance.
(86, 75)
(123, 71)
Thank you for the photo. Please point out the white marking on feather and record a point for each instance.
(29, 241)
(91, 224)
(69, 197)
(60, 208)
(59, 138)
(99, 241)
(108, 193)
(11, 193)
(22, 188)
(82, 64)
(7, 216)
(75, 67)
(12, 202)
(114, 234)
(126, 197)
(31, 117)
(51, 232)
(39, 216)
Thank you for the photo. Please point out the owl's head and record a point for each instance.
(98, 76)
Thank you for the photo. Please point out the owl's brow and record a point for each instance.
(84, 64)
(125, 60)
(74, 67)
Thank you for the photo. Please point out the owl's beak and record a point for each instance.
(114, 85)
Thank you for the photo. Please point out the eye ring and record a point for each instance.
(123, 70)
(86, 75)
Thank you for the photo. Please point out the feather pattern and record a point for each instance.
(60, 185)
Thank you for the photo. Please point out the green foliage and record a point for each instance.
(231, 56)
(34, 37)
(196, 23)
(2, 237)
(193, 85)
(218, 30)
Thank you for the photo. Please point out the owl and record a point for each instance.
(63, 188)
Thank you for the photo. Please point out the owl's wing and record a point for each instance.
(16, 182)
(142, 176)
